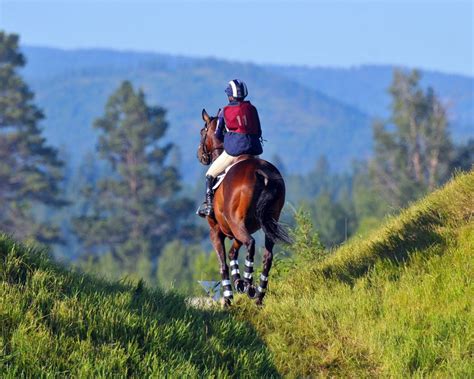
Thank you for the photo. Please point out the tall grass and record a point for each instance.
(398, 303)
(57, 323)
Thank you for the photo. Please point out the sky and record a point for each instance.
(435, 35)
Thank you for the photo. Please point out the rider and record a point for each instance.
(238, 125)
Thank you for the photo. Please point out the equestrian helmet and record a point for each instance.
(237, 89)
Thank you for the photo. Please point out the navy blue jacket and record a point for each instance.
(236, 144)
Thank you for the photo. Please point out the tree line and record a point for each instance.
(413, 155)
(128, 205)
(127, 212)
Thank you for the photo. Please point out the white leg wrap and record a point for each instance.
(260, 289)
(248, 263)
(227, 293)
(264, 278)
(247, 275)
(235, 271)
(234, 263)
(226, 282)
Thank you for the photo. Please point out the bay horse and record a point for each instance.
(250, 198)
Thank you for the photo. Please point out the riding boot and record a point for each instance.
(206, 208)
(209, 195)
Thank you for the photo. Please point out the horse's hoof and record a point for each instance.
(239, 286)
(251, 291)
(225, 302)
(259, 302)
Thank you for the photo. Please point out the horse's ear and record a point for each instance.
(218, 112)
(205, 116)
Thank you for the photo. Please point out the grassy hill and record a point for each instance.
(57, 323)
(397, 303)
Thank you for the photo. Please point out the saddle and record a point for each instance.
(220, 178)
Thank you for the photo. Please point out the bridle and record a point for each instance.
(204, 155)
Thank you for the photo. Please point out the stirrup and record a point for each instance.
(204, 210)
(208, 210)
(201, 211)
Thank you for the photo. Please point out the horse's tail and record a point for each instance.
(273, 188)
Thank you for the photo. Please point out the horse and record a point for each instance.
(250, 198)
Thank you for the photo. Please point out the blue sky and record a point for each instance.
(428, 34)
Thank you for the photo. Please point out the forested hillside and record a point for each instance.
(306, 112)
(365, 88)
(300, 127)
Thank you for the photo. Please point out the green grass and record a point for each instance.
(398, 303)
(57, 323)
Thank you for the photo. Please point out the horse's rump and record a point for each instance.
(252, 191)
(251, 173)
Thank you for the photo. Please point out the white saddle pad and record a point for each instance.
(221, 177)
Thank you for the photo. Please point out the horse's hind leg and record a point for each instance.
(248, 269)
(234, 266)
(242, 235)
(217, 238)
(267, 265)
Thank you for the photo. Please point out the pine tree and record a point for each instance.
(30, 170)
(135, 210)
(412, 154)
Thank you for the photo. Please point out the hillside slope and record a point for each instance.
(398, 303)
(57, 323)
(395, 304)
(299, 123)
(305, 112)
(366, 88)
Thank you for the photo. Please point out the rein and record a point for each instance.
(206, 155)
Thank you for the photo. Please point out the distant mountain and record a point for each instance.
(303, 115)
(366, 88)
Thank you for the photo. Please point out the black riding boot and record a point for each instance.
(206, 207)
